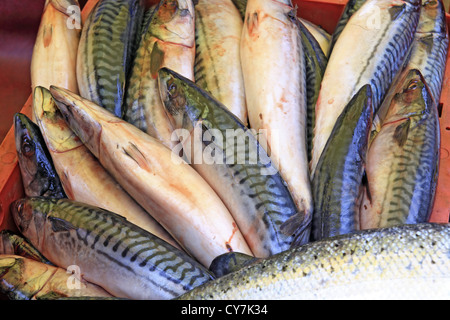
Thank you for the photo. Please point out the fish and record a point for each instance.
(397, 263)
(106, 51)
(217, 66)
(54, 55)
(403, 159)
(39, 176)
(337, 181)
(230, 262)
(241, 5)
(350, 8)
(82, 176)
(13, 243)
(23, 278)
(230, 158)
(168, 39)
(384, 30)
(322, 37)
(125, 260)
(275, 89)
(157, 178)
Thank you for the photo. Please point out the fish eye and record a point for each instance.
(412, 85)
(171, 88)
(27, 147)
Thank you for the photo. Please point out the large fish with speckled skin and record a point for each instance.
(384, 30)
(82, 176)
(23, 278)
(339, 174)
(233, 162)
(39, 176)
(158, 179)
(272, 58)
(117, 255)
(168, 40)
(404, 262)
(106, 50)
(403, 159)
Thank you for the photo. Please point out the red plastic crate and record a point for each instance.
(324, 13)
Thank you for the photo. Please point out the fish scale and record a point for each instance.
(102, 244)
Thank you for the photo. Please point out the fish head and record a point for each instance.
(432, 17)
(174, 22)
(413, 97)
(6, 263)
(29, 215)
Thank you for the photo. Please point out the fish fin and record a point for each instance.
(401, 132)
(396, 11)
(299, 226)
(134, 153)
(230, 262)
(428, 42)
(59, 225)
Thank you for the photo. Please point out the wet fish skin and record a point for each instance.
(82, 176)
(12, 243)
(27, 279)
(168, 40)
(322, 37)
(122, 258)
(39, 176)
(403, 159)
(383, 47)
(404, 262)
(338, 177)
(240, 171)
(187, 207)
(106, 50)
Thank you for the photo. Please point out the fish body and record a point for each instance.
(54, 57)
(274, 78)
(218, 63)
(106, 50)
(122, 258)
(384, 30)
(39, 176)
(27, 279)
(168, 40)
(233, 162)
(322, 37)
(83, 177)
(337, 180)
(398, 263)
(12, 243)
(158, 179)
(402, 161)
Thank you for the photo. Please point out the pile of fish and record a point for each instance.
(219, 149)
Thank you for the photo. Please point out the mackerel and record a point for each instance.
(82, 176)
(158, 179)
(217, 62)
(384, 30)
(39, 176)
(229, 157)
(168, 40)
(122, 258)
(13, 243)
(23, 278)
(322, 37)
(54, 57)
(273, 65)
(106, 51)
(403, 159)
(398, 263)
(337, 180)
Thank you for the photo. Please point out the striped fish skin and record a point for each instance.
(39, 176)
(322, 37)
(337, 180)
(402, 161)
(240, 171)
(12, 243)
(350, 8)
(82, 176)
(105, 52)
(217, 66)
(157, 178)
(55, 50)
(384, 30)
(168, 40)
(117, 255)
(405, 262)
(275, 91)
(23, 278)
